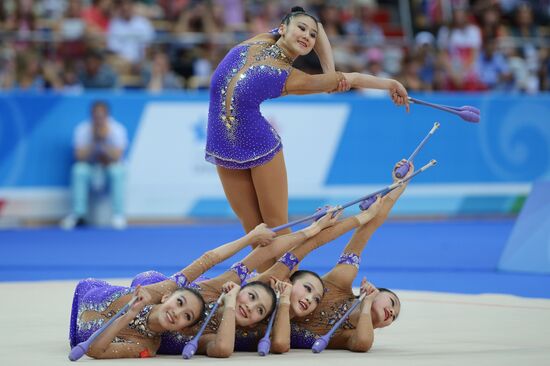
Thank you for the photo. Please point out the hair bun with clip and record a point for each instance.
(297, 9)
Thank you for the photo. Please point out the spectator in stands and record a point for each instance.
(52, 9)
(409, 75)
(22, 22)
(69, 78)
(522, 78)
(99, 146)
(70, 32)
(461, 41)
(493, 67)
(129, 34)
(329, 17)
(368, 33)
(96, 74)
(232, 13)
(198, 18)
(527, 34)
(158, 76)
(97, 17)
(425, 53)
(264, 17)
(28, 73)
(3, 17)
(491, 23)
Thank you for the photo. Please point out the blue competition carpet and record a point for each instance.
(450, 256)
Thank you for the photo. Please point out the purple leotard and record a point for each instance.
(238, 136)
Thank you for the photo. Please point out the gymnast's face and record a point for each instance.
(253, 304)
(299, 35)
(385, 309)
(179, 310)
(307, 292)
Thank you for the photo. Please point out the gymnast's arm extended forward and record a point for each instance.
(299, 82)
(261, 234)
(344, 273)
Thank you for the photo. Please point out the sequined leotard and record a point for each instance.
(96, 301)
(238, 136)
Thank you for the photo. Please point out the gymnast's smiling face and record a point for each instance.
(253, 304)
(299, 35)
(179, 310)
(307, 293)
(385, 308)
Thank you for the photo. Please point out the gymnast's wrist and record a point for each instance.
(311, 230)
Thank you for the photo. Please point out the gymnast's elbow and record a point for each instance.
(221, 351)
(279, 347)
(97, 353)
(361, 345)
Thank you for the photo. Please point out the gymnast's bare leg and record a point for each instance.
(258, 195)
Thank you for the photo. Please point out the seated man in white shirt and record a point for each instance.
(99, 147)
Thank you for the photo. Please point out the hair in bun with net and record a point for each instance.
(297, 11)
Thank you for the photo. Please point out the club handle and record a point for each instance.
(320, 344)
(78, 351)
(264, 346)
(190, 349)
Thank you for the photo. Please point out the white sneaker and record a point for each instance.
(118, 222)
(69, 222)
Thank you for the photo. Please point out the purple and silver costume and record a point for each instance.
(92, 295)
(335, 303)
(238, 136)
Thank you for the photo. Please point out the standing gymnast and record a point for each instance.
(240, 141)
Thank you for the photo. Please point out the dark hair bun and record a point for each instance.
(297, 9)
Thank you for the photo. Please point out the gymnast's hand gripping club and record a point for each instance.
(264, 345)
(467, 113)
(80, 349)
(369, 199)
(403, 169)
(322, 342)
(191, 346)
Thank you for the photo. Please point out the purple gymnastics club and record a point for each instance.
(383, 191)
(80, 349)
(265, 343)
(463, 108)
(191, 346)
(322, 342)
(404, 169)
(467, 115)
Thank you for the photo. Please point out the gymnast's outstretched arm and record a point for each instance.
(261, 234)
(361, 338)
(348, 266)
(299, 82)
(240, 270)
(284, 267)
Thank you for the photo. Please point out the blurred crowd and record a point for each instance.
(449, 45)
